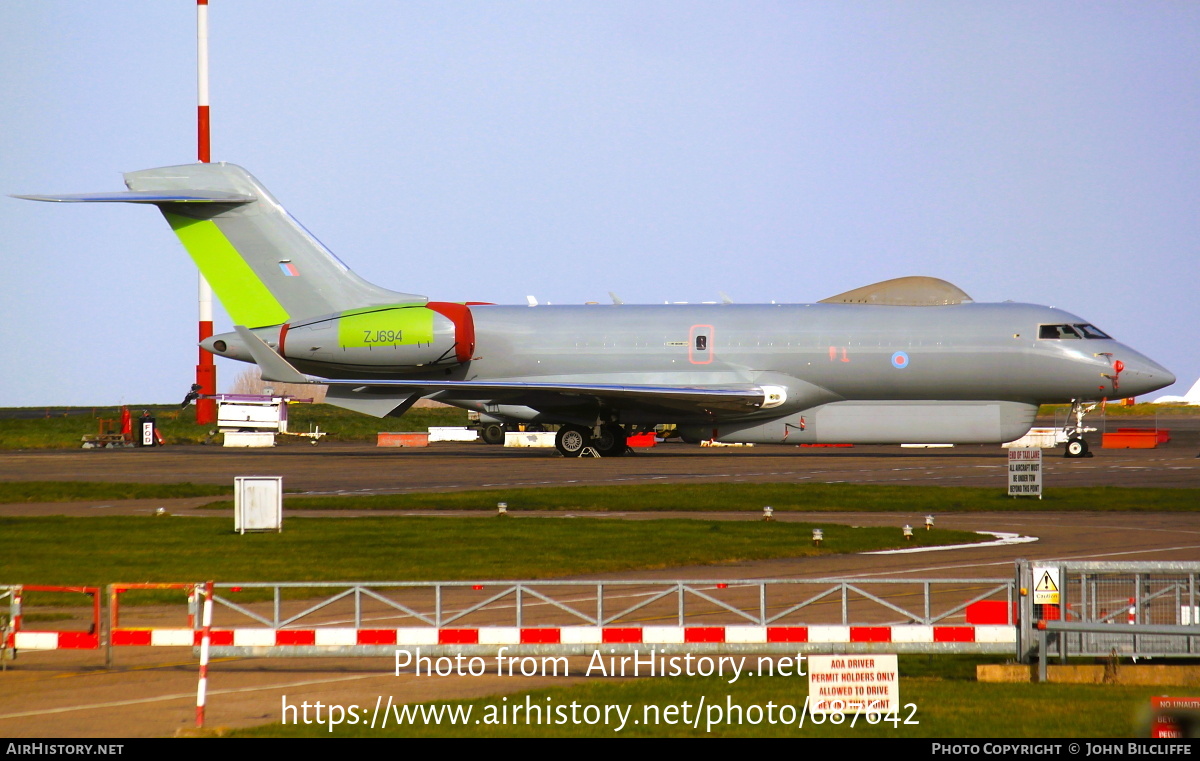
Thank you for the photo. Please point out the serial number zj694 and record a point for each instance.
(382, 336)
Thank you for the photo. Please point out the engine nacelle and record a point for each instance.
(398, 335)
(392, 336)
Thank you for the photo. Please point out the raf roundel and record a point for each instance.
(900, 360)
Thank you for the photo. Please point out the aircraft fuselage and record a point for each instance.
(963, 372)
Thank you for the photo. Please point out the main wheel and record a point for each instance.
(611, 442)
(1076, 448)
(572, 439)
(493, 433)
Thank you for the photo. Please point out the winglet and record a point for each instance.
(274, 367)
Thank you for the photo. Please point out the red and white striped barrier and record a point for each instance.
(566, 635)
(22, 639)
(27, 640)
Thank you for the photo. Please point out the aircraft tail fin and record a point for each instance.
(264, 266)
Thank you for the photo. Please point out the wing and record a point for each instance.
(383, 397)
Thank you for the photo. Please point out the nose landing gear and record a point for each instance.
(1076, 446)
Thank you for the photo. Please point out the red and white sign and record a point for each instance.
(853, 684)
(1165, 710)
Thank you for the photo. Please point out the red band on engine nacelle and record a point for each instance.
(464, 327)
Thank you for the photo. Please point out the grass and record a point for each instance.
(806, 497)
(1116, 409)
(73, 491)
(104, 550)
(64, 428)
(939, 702)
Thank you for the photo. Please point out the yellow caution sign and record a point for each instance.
(1046, 586)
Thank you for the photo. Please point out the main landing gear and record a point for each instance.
(573, 440)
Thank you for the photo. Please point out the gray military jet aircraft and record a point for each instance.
(912, 360)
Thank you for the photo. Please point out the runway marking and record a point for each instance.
(1003, 539)
(182, 695)
(926, 569)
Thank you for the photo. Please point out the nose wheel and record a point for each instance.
(1077, 447)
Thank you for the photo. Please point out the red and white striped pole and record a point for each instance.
(205, 637)
(206, 369)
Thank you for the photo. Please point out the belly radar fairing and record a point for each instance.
(911, 360)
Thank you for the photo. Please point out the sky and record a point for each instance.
(661, 150)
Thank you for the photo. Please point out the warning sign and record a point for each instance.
(853, 684)
(1046, 586)
(1171, 713)
(1025, 472)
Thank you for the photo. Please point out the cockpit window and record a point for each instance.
(1057, 331)
(1091, 331)
(1071, 331)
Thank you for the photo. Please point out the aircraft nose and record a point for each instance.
(1141, 375)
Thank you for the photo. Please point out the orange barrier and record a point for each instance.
(1164, 434)
(1147, 439)
(402, 440)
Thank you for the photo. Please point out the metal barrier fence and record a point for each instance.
(785, 615)
(602, 603)
(1153, 601)
(1158, 602)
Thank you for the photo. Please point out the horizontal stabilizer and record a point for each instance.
(146, 196)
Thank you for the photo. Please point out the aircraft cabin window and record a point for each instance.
(701, 343)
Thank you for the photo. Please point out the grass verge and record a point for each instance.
(804, 497)
(64, 428)
(15, 492)
(102, 550)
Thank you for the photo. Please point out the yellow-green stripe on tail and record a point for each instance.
(245, 297)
